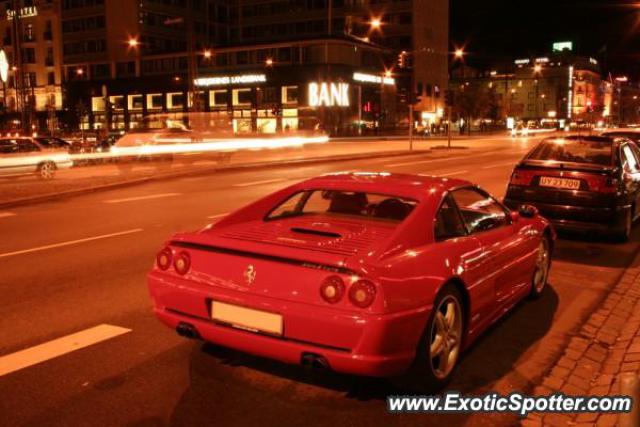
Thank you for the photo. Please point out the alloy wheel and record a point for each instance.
(446, 336)
(542, 266)
(47, 170)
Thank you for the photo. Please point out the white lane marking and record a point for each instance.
(70, 242)
(216, 216)
(266, 181)
(497, 165)
(133, 199)
(58, 347)
(6, 214)
(452, 173)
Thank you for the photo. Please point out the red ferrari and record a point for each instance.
(366, 273)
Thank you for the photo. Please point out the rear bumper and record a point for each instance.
(360, 344)
(577, 218)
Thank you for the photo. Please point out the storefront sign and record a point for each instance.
(560, 46)
(230, 80)
(24, 12)
(372, 78)
(328, 94)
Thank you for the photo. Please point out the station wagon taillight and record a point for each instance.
(164, 258)
(521, 177)
(182, 262)
(332, 289)
(362, 293)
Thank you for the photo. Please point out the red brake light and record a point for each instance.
(362, 293)
(182, 262)
(521, 177)
(163, 259)
(332, 289)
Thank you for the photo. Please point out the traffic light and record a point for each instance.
(449, 98)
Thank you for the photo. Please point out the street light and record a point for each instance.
(375, 23)
(79, 71)
(537, 68)
(207, 54)
(133, 42)
(268, 62)
(459, 53)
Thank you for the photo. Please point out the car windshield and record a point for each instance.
(592, 151)
(346, 204)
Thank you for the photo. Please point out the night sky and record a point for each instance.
(606, 29)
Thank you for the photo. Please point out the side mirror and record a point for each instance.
(515, 217)
(527, 211)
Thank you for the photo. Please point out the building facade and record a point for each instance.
(31, 41)
(107, 64)
(559, 86)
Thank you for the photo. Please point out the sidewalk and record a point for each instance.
(77, 180)
(606, 346)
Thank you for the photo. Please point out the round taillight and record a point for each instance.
(362, 293)
(332, 289)
(182, 262)
(163, 259)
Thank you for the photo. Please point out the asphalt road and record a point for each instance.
(69, 266)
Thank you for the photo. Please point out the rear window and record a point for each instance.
(595, 152)
(344, 204)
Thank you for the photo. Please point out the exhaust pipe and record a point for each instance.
(187, 330)
(314, 361)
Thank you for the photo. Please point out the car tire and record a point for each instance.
(440, 346)
(542, 268)
(46, 170)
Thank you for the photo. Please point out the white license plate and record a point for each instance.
(569, 184)
(246, 318)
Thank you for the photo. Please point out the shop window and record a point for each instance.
(242, 97)
(135, 102)
(97, 104)
(154, 101)
(267, 125)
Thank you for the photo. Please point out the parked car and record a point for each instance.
(584, 183)
(22, 156)
(633, 135)
(368, 274)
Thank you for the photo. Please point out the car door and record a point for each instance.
(502, 245)
(631, 172)
(475, 269)
(10, 163)
(30, 154)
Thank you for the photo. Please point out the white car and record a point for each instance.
(24, 156)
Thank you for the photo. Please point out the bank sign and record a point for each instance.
(326, 94)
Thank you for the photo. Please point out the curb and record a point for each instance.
(233, 168)
(593, 361)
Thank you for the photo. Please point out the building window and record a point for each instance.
(29, 55)
(154, 101)
(29, 34)
(241, 97)
(175, 100)
(218, 98)
(51, 78)
(134, 102)
(289, 94)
